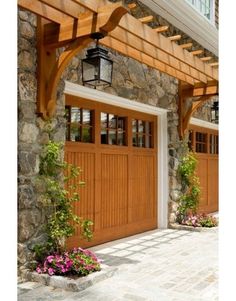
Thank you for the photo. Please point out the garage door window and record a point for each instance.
(113, 129)
(213, 144)
(201, 142)
(142, 133)
(79, 124)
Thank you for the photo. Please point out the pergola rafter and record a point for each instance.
(71, 24)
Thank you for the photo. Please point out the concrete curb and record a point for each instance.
(193, 229)
(69, 284)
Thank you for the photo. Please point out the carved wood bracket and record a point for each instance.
(188, 104)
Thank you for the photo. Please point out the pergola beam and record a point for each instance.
(70, 8)
(215, 64)
(161, 29)
(144, 32)
(146, 19)
(132, 5)
(187, 45)
(45, 11)
(175, 38)
(146, 48)
(206, 58)
(88, 4)
(196, 52)
(211, 88)
(145, 59)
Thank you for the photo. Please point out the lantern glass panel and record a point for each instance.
(90, 70)
(105, 70)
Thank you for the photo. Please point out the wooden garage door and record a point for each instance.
(116, 150)
(205, 143)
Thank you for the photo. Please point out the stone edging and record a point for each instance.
(69, 284)
(193, 229)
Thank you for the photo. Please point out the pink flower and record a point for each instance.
(50, 258)
(38, 270)
(51, 271)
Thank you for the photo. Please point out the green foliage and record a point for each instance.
(190, 199)
(208, 221)
(61, 221)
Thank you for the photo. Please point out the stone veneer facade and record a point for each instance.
(131, 80)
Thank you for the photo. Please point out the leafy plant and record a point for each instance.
(78, 262)
(190, 199)
(208, 221)
(61, 221)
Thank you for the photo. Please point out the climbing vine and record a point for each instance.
(61, 222)
(189, 201)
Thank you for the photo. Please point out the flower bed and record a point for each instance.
(78, 262)
(199, 220)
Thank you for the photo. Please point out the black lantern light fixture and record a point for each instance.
(97, 66)
(215, 112)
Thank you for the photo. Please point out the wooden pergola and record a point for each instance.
(70, 23)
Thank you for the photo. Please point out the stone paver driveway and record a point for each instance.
(159, 265)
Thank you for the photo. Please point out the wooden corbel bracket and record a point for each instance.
(185, 112)
(50, 67)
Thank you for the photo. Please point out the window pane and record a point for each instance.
(74, 132)
(148, 129)
(141, 126)
(112, 121)
(148, 141)
(86, 134)
(121, 138)
(141, 141)
(67, 113)
(87, 117)
(112, 137)
(135, 139)
(103, 120)
(75, 114)
(121, 123)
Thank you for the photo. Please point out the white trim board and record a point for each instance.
(203, 123)
(185, 17)
(162, 166)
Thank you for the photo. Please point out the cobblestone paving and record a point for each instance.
(159, 265)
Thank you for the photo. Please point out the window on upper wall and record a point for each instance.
(205, 7)
(79, 124)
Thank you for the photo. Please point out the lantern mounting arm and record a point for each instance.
(50, 68)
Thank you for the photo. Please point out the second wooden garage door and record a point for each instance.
(116, 150)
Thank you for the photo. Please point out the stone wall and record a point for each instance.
(131, 80)
(33, 132)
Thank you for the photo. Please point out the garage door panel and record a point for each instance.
(202, 168)
(114, 190)
(85, 207)
(213, 182)
(142, 188)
